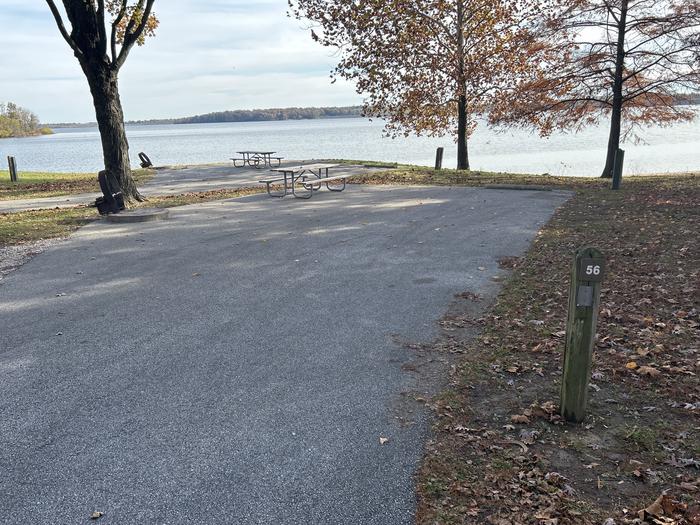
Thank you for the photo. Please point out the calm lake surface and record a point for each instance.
(663, 150)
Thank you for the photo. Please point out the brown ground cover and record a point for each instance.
(502, 455)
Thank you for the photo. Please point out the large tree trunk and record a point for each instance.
(104, 87)
(616, 116)
(462, 149)
(462, 113)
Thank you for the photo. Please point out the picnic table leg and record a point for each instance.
(313, 185)
(336, 189)
(308, 187)
(278, 195)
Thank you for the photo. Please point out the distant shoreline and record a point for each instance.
(247, 115)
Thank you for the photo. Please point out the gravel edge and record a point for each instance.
(13, 257)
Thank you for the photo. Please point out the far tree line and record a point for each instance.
(439, 67)
(16, 121)
(243, 115)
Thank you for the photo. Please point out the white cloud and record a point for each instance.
(209, 55)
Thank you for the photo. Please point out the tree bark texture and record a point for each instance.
(616, 116)
(91, 44)
(462, 113)
(462, 150)
(104, 87)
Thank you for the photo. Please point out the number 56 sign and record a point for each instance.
(591, 269)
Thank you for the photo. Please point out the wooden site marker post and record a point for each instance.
(12, 164)
(584, 299)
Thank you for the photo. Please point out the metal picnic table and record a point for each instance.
(312, 176)
(256, 159)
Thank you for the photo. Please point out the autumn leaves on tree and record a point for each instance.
(101, 52)
(427, 66)
(435, 66)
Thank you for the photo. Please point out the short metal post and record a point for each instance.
(12, 164)
(438, 158)
(617, 168)
(584, 298)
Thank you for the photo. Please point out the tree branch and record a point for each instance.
(62, 28)
(101, 26)
(132, 35)
(115, 26)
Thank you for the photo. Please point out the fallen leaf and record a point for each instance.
(632, 365)
(520, 419)
(648, 371)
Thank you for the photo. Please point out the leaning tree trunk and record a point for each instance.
(462, 149)
(616, 116)
(104, 87)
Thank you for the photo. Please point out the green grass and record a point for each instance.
(28, 226)
(34, 184)
(34, 177)
(642, 438)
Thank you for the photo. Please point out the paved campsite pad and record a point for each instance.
(239, 362)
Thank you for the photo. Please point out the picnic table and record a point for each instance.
(310, 176)
(256, 159)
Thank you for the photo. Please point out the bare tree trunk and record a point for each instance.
(110, 120)
(462, 149)
(616, 117)
(462, 113)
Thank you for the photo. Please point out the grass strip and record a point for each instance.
(29, 226)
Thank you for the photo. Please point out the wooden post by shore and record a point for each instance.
(12, 164)
(617, 169)
(584, 298)
(438, 158)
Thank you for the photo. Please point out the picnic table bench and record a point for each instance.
(310, 176)
(256, 159)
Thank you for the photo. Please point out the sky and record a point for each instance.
(208, 55)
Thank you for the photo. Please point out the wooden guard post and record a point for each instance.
(438, 158)
(12, 164)
(584, 299)
(617, 169)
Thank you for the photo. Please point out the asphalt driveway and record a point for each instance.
(239, 362)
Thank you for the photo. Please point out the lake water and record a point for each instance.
(663, 150)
